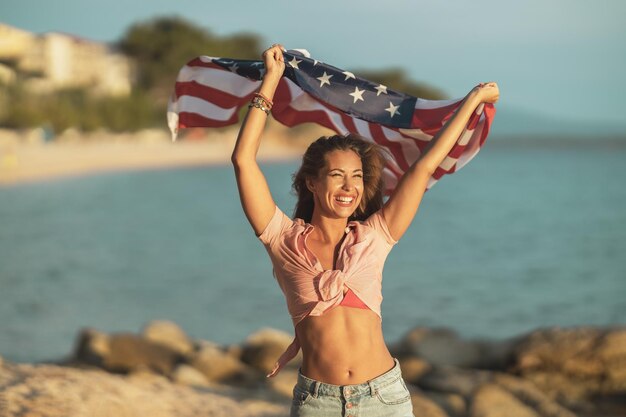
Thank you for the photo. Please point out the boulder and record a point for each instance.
(219, 366)
(124, 352)
(413, 368)
(493, 401)
(569, 351)
(531, 396)
(443, 347)
(91, 347)
(284, 382)
(168, 334)
(188, 375)
(611, 352)
(459, 381)
(262, 349)
(423, 406)
(574, 364)
(453, 404)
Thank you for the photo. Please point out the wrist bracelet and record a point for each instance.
(258, 105)
(267, 100)
(262, 100)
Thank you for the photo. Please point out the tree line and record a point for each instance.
(159, 48)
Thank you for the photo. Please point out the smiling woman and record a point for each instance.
(329, 259)
(323, 167)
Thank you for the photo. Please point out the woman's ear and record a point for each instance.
(310, 184)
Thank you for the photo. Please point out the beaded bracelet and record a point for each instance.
(263, 100)
(259, 104)
(267, 100)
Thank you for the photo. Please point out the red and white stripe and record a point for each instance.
(207, 95)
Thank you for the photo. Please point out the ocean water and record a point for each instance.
(523, 237)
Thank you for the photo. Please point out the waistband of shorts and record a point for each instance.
(318, 388)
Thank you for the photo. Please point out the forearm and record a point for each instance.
(249, 137)
(441, 144)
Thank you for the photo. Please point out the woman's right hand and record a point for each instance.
(274, 62)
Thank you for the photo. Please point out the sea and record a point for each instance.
(527, 235)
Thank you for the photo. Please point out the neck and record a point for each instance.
(328, 229)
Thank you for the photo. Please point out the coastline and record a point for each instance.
(26, 157)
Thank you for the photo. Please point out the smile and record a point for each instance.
(344, 200)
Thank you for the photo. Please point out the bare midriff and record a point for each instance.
(343, 346)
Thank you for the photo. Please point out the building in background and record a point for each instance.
(52, 61)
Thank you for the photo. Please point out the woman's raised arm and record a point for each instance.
(403, 203)
(256, 199)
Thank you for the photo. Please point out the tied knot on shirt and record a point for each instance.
(331, 284)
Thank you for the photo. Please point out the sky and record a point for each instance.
(559, 58)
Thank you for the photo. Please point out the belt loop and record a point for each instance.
(372, 388)
(315, 388)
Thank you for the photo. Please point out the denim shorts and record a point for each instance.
(384, 396)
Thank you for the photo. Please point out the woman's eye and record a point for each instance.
(336, 174)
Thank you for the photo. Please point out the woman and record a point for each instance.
(329, 259)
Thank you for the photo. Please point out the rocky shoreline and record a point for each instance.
(162, 372)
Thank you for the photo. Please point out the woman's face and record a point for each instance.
(338, 189)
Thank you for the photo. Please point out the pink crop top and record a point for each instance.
(311, 290)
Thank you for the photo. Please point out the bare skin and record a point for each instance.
(345, 345)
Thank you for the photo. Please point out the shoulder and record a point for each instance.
(377, 223)
(278, 225)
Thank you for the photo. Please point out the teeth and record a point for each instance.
(344, 199)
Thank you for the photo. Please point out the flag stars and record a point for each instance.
(382, 89)
(348, 74)
(393, 110)
(357, 94)
(324, 79)
(234, 68)
(294, 63)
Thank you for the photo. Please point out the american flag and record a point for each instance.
(209, 92)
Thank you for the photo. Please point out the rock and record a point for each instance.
(612, 353)
(454, 380)
(169, 334)
(575, 364)
(493, 401)
(54, 391)
(453, 404)
(218, 366)
(443, 347)
(91, 347)
(188, 375)
(234, 350)
(413, 368)
(200, 344)
(124, 352)
(129, 351)
(565, 350)
(424, 406)
(572, 394)
(284, 382)
(530, 395)
(262, 349)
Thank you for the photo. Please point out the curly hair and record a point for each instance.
(314, 160)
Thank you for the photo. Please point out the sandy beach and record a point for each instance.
(27, 156)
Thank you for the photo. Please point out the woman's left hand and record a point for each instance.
(487, 92)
